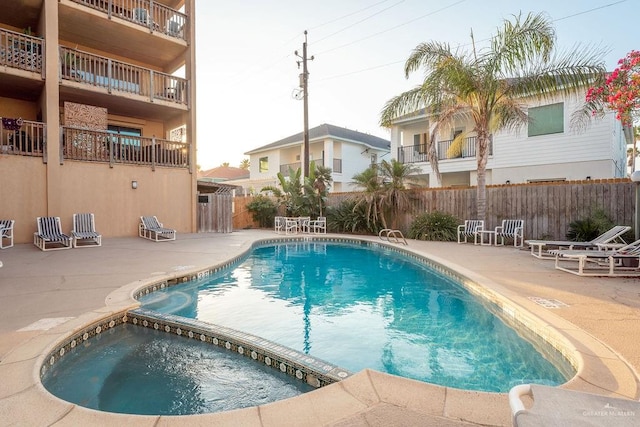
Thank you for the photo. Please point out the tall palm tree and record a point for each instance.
(244, 164)
(488, 86)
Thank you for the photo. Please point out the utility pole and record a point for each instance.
(304, 85)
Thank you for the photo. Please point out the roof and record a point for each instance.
(224, 173)
(329, 131)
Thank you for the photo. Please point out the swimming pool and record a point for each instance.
(362, 307)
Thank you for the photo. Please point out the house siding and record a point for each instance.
(598, 151)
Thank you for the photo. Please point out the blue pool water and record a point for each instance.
(361, 308)
(135, 370)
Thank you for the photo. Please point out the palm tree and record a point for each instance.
(384, 196)
(371, 186)
(488, 86)
(244, 164)
(317, 185)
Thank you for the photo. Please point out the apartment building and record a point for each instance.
(346, 151)
(547, 149)
(97, 100)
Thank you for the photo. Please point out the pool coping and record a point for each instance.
(365, 389)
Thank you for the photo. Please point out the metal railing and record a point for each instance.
(21, 51)
(100, 146)
(22, 137)
(418, 153)
(116, 76)
(337, 166)
(147, 13)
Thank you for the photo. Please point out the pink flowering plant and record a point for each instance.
(621, 89)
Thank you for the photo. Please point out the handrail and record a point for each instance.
(147, 13)
(116, 76)
(101, 146)
(22, 137)
(396, 235)
(21, 51)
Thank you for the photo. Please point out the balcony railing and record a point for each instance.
(21, 51)
(116, 76)
(106, 147)
(22, 137)
(418, 153)
(147, 13)
(337, 166)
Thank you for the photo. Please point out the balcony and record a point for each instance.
(145, 30)
(337, 166)
(21, 51)
(100, 146)
(114, 77)
(22, 137)
(146, 13)
(418, 153)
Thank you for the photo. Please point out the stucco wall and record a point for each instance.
(96, 188)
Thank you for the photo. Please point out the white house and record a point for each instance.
(547, 149)
(346, 152)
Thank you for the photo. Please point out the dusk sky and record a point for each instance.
(247, 70)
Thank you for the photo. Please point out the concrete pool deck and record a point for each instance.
(44, 296)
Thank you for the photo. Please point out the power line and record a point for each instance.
(393, 28)
(466, 44)
(348, 15)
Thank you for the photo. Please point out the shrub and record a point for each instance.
(263, 210)
(585, 229)
(434, 226)
(349, 218)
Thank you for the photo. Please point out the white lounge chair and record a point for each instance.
(622, 261)
(6, 233)
(50, 236)
(612, 236)
(84, 231)
(471, 227)
(556, 407)
(510, 229)
(150, 228)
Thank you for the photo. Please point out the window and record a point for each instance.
(546, 120)
(263, 164)
(124, 133)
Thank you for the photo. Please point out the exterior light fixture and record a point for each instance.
(134, 184)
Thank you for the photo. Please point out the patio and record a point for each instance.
(40, 290)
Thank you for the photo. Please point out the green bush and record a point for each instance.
(434, 226)
(585, 229)
(349, 218)
(263, 210)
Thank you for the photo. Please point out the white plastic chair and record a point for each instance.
(471, 227)
(84, 231)
(6, 233)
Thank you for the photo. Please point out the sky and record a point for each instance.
(247, 71)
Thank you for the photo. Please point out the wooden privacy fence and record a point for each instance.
(546, 208)
(215, 212)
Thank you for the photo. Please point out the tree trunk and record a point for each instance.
(481, 190)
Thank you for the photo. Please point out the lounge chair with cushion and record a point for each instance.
(6, 233)
(510, 229)
(471, 227)
(624, 261)
(612, 237)
(84, 231)
(554, 406)
(49, 236)
(150, 228)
